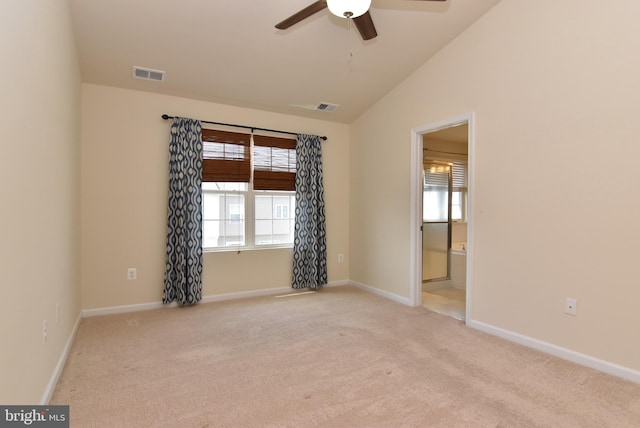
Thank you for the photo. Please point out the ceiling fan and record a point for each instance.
(357, 10)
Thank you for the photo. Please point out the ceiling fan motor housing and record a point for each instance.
(348, 8)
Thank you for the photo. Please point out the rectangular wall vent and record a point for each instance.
(148, 74)
(327, 107)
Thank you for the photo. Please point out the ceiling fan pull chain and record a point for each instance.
(350, 53)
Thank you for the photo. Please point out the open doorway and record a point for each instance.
(441, 217)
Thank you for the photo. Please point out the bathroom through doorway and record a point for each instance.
(444, 216)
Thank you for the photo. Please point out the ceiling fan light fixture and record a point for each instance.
(348, 8)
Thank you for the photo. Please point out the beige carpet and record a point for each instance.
(337, 358)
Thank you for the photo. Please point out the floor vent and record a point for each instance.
(148, 74)
(327, 107)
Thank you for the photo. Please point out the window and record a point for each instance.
(435, 205)
(248, 190)
(459, 192)
(273, 220)
(458, 206)
(281, 211)
(223, 220)
(236, 212)
(436, 192)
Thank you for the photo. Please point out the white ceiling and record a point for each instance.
(228, 51)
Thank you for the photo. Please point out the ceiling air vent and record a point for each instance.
(327, 107)
(148, 74)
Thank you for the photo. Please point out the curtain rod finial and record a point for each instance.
(165, 116)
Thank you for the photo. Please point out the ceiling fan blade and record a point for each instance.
(365, 26)
(303, 14)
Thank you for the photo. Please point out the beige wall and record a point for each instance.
(39, 107)
(553, 86)
(124, 197)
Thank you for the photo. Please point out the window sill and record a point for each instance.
(241, 249)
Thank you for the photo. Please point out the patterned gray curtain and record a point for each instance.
(310, 234)
(183, 274)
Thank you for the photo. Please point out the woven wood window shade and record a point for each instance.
(225, 156)
(274, 163)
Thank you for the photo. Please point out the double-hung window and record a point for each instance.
(436, 192)
(459, 192)
(248, 189)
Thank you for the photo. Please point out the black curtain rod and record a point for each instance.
(252, 128)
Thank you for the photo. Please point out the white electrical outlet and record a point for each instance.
(570, 306)
(132, 273)
(44, 331)
(340, 258)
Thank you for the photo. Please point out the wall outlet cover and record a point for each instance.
(570, 306)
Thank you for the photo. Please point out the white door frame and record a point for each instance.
(415, 274)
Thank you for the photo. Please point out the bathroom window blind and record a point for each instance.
(460, 179)
(438, 176)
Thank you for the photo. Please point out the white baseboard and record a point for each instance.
(338, 283)
(247, 294)
(565, 354)
(51, 386)
(390, 296)
(86, 313)
(265, 292)
(206, 299)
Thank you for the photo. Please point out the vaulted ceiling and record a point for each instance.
(228, 51)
